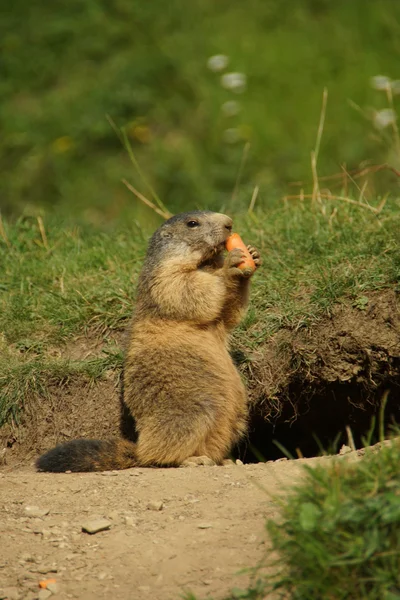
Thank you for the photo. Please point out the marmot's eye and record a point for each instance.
(192, 223)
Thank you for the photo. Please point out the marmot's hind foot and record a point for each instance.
(197, 461)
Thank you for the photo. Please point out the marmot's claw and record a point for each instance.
(197, 461)
(235, 257)
(255, 255)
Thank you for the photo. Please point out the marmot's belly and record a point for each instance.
(183, 378)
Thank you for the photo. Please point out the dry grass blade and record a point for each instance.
(163, 214)
(4, 234)
(396, 136)
(243, 160)
(42, 232)
(314, 154)
(332, 197)
(321, 123)
(253, 199)
(121, 133)
(353, 174)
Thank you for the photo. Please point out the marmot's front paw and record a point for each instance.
(233, 259)
(255, 256)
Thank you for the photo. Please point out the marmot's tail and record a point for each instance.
(88, 455)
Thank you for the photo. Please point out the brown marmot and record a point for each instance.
(180, 384)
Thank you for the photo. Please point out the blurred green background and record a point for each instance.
(66, 65)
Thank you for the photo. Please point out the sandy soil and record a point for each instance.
(209, 527)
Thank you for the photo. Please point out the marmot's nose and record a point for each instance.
(228, 223)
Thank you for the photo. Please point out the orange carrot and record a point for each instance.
(45, 582)
(235, 241)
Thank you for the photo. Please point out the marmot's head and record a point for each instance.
(199, 233)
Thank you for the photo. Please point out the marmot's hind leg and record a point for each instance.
(160, 445)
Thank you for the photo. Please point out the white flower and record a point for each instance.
(218, 62)
(380, 82)
(385, 117)
(396, 87)
(236, 82)
(231, 108)
(231, 136)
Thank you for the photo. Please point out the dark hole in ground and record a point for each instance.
(321, 423)
(320, 426)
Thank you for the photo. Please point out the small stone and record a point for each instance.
(239, 462)
(207, 581)
(26, 557)
(102, 576)
(53, 587)
(44, 569)
(204, 525)
(44, 594)
(155, 505)
(114, 516)
(130, 521)
(10, 593)
(344, 450)
(96, 525)
(35, 511)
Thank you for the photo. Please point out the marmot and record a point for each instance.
(180, 384)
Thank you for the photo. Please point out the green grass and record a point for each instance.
(340, 532)
(60, 281)
(29, 374)
(66, 67)
(338, 536)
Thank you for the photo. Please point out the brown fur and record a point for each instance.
(180, 383)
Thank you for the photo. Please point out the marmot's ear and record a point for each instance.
(164, 233)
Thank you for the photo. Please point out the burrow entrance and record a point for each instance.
(321, 421)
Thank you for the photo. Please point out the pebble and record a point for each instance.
(11, 593)
(204, 526)
(239, 462)
(44, 594)
(96, 525)
(130, 521)
(26, 557)
(35, 511)
(43, 569)
(155, 505)
(54, 587)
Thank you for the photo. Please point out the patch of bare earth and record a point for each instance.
(171, 530)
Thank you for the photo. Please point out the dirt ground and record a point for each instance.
(188, 529)
(170, 530)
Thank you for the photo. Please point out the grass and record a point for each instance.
(340, 533)
(338, 537)
(27, 372)
(64, 70)
(59, 281)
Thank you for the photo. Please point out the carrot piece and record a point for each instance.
(235, 241)
(45, 582)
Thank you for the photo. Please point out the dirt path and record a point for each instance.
(210, 525)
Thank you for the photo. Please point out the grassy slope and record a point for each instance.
(74, 281)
